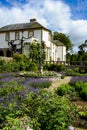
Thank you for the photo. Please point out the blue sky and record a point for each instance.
(66, 16)
(78, 8)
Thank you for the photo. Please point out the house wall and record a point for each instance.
(64, 53)
(3, 43)
(61, 53)
(46, 37)
(37, 35)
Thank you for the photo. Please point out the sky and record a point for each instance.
(65, 16)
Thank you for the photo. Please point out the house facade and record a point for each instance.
(16, 38)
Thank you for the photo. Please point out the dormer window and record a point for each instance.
(16, 35)
(30, 34)
(7, 36)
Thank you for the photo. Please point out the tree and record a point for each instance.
(83, 47)
(64, 39)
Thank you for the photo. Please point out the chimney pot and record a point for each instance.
(32, 20)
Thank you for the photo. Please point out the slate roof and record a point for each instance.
(58, 43)
(22, 26)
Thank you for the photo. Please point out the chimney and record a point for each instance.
(32, 20)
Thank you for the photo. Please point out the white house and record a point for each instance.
(17, 38)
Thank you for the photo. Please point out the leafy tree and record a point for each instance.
(83, 47)
(82, 51)
(64, 39)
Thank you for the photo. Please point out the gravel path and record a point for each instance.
(56, 83)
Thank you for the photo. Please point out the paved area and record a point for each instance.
(57, 82)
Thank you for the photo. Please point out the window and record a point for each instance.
(30, 34)
(16, 35)
(7, 36)
(49, 36)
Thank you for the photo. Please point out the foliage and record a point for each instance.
(83, 47)
(83, 92)
(32, 67)
(21, 63)
(19, 57)
(51, 111)
(82, 111)
(64, 39)
(80, 85)
(20, 123)
(1, 62)
(75, 72)
(64, 89)
(43, 84)
(54, 67)
(37, 52)
(41, 110)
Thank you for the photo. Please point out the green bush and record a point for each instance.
(64, 89)
(55, 67)
(2, 62)
(82, 70)
(20, 123)
(83, 111)
(53, 112)
(78, 86)
(83, 93)
(32, 67)
(42, 110)
(81, 89)
(19, 57)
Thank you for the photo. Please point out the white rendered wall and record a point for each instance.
(37, 35)
(61, 53)
(45, 37)
(3, 43)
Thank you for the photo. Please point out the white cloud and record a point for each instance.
(55, 15)
(78, 31)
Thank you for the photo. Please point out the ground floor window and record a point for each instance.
(1, 53)
(8, 53)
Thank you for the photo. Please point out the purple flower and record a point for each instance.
(79, 79)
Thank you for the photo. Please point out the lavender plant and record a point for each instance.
(78, 79)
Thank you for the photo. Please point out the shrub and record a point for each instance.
(78, 86)
(42, 110)
(2, 62)
(19, 123)
(41, 84)
(32, 67)
(19, 57)
(81, 89)
(64, 89)
(54, 112)
(55, 67)
(83, 93)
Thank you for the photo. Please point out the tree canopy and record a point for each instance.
(64, 39)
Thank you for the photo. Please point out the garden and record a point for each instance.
(25, 101)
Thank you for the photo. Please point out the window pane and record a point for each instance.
(16, 35)
(7, 36)
(30, 34)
